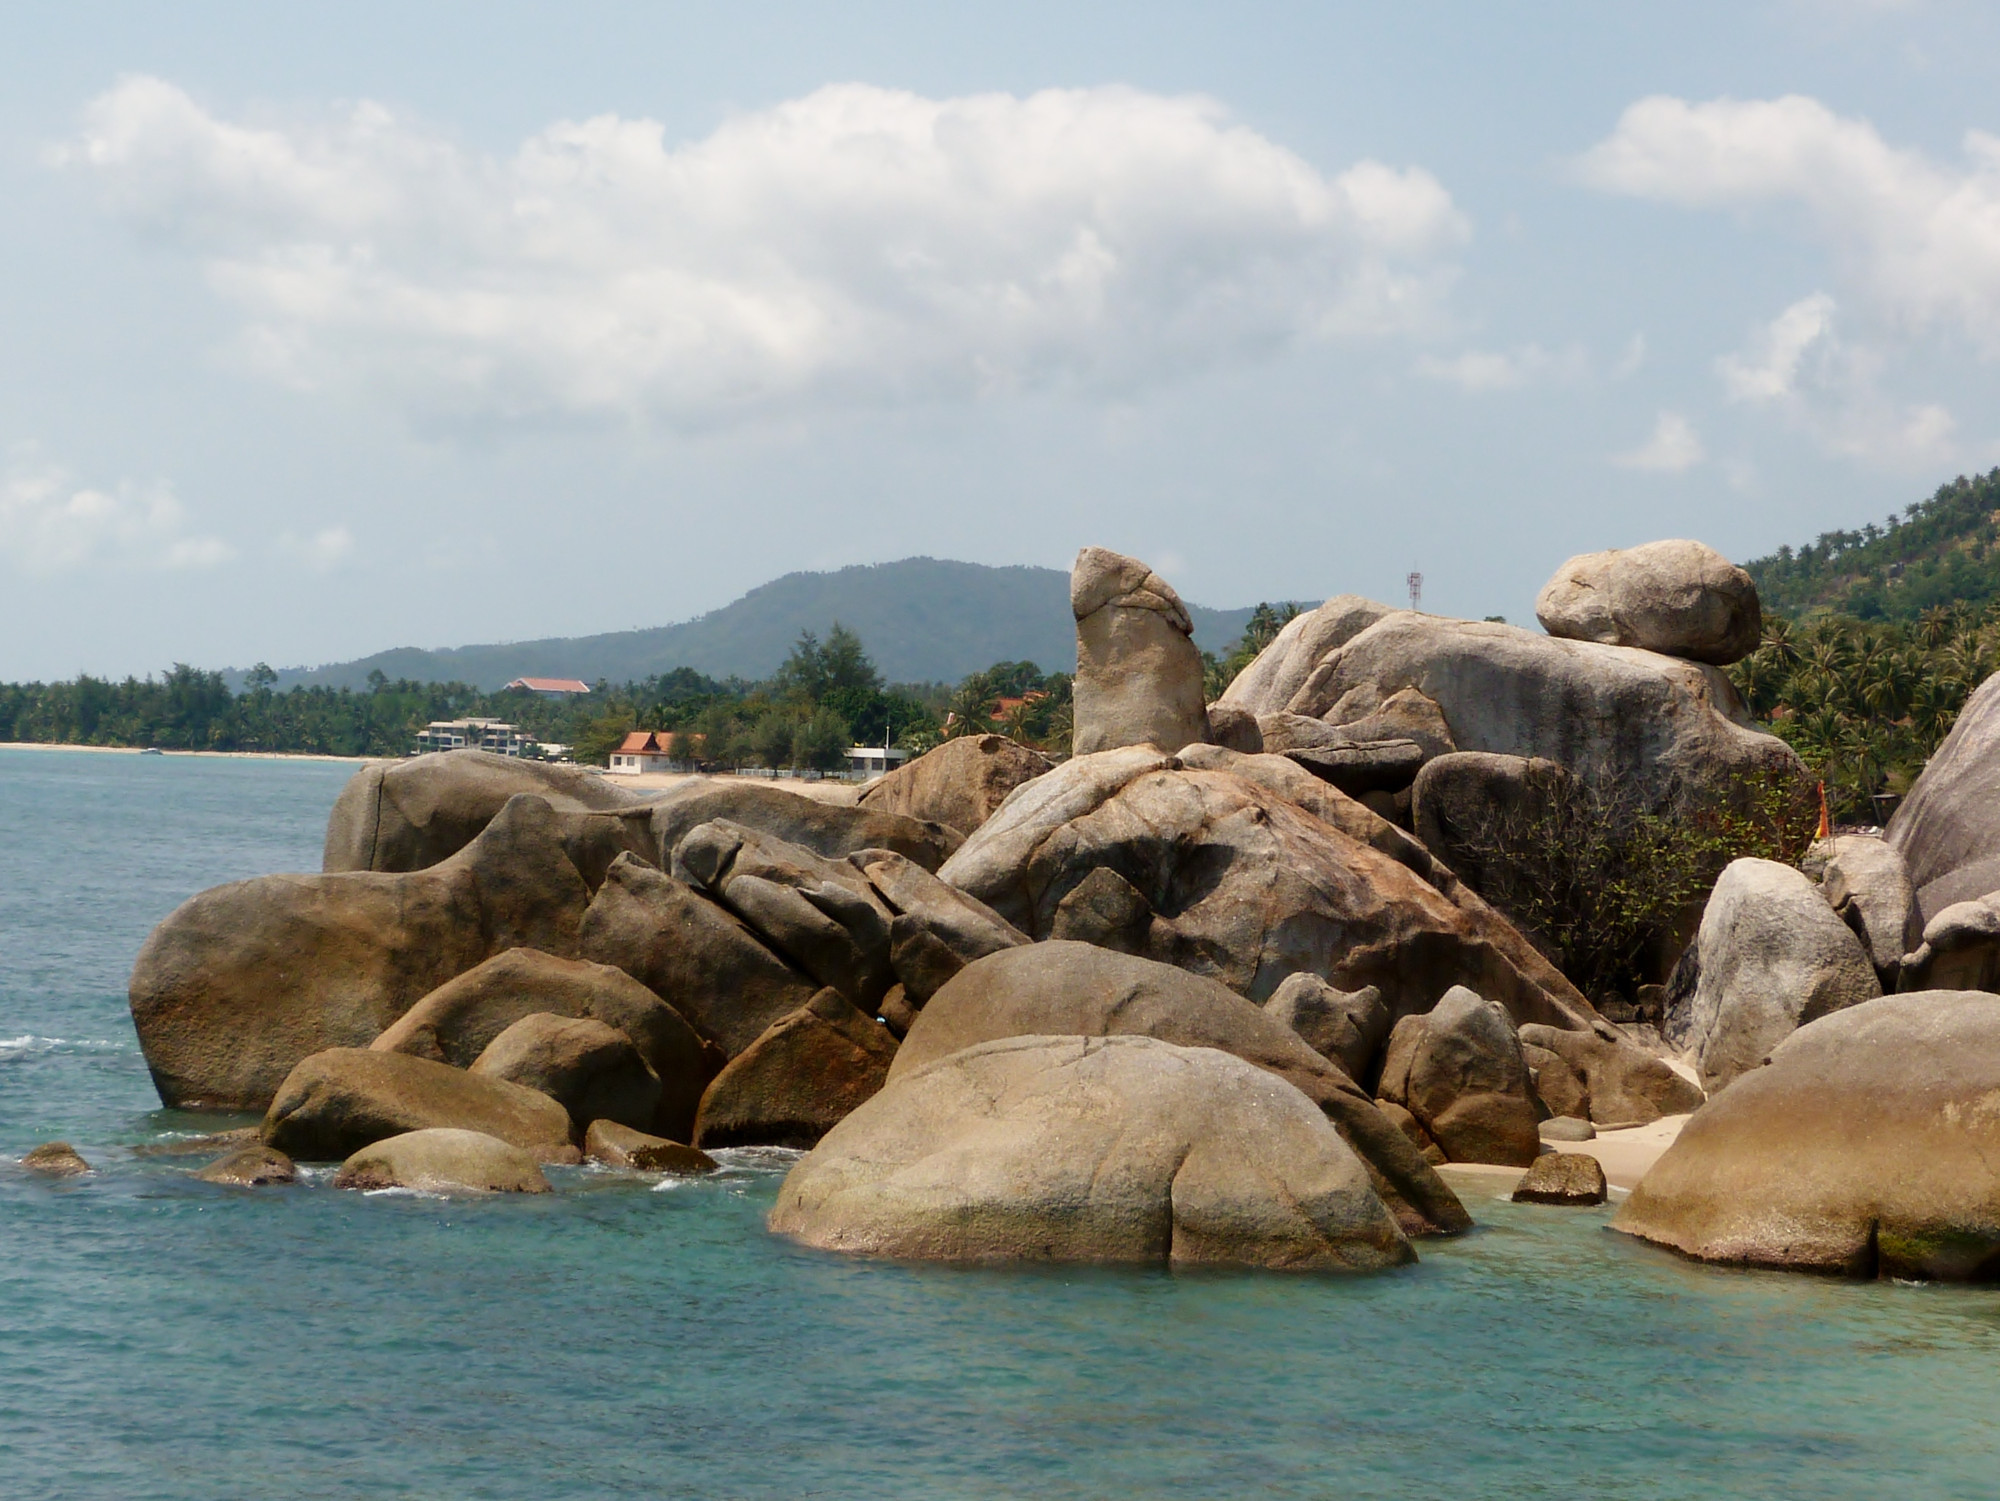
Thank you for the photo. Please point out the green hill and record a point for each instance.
(1941, 551)
(923, 620)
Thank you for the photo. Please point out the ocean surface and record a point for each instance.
(161, 1337)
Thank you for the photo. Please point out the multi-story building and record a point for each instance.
(494, 735)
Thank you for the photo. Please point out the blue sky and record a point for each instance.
(327, 329)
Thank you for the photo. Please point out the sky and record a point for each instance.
(326, 329)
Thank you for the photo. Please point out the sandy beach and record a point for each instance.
(133, 750)
(1625, 1154)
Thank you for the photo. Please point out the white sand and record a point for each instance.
(1625, 1155)
(133, 750)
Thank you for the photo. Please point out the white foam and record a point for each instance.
(28, 1043)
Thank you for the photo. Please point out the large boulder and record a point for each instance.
(1248, 887)
(936, 929)
(1062, 988)
(1678, 597)
(1110, 1149)
(591, 1070)
(687, 948)
(1460, 1071)
(1866, 882)
(336, 1102)
(441, 1159)
(460, 1020)
(1345, 1027)
(1279, 671)
(799, 1080)
(1621, 1084)
(959, 784)
(1959, 949)
(1138, 672)
(1870, 1146)
(1948, 829)
(240, 983)
(1773, 957)
(827, 829)
(1470, 807)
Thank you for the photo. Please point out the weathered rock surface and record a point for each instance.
(1948, 829)
(591, 1070)
(1061, 988)
(336, 1102)
(1345, 1027)
(1358, 768)
(1247, 887)
(799, 1080)
(1460, 1071)
(254, 1166)
(1959, 950)
(1273, 679)
(1235, 728)
(460, 1020)
(443, 1160)
(1773, 957)
(1866, 883)
(1465, 803)
(1109, 1149)
(1563, 1178)
(1567, 1128)
(1558, 1083)
(687, 948)
(1678, 597)
(620, 1146)
(827, 829)
(1138, 673)
(56, 1159)
(959, 784)
(1625, 1085)
(240, 983)
(1870, 1146)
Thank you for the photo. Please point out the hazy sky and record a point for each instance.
(327, 328)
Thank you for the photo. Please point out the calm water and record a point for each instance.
(163, 1338)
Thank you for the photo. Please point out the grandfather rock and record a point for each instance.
(336, 1102)
(1064, 988)
(56, 1159)
(591, 1070)
(1138, 673)
(240, 983)
(799, 1080)
(1678, 597)
(1563, 1178)
(1113, 1149)
(255, 1166)
(1773, 957)
(1346, 1027)
(1870, 1146)
(1626, 1085)
(958, 784)
(443, 1160)
(620, 1146)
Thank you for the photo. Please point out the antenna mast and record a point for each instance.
(1416, 583)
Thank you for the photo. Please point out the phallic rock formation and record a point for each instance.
(1138, 674)
(443, 1160)
(959, 784)
(1677, 597)
(1948, 829)
(1773, 957)
(1075, 989)
(1108, 1149)
(1870, 1146)
(591, 1070)
(240, 983)
(1460, 1072)
(799, 1080)
(339, 1101)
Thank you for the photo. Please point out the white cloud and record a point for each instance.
(857, 244)
(1917, 240)
(50, 523)
(1673, 448)
(323, 551)
(1508, 370)
(1769, 371)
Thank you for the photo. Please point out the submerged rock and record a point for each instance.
(56, 1159)
(620, 1146)
(254, 1166)
(336, 1102)
(443, 1160)
(1111, 1149)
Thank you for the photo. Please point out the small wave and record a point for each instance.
(28, 1044)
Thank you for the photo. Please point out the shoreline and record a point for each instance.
(212, 755)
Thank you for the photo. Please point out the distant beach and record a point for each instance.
(134, 750)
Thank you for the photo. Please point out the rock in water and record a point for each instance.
(799, 1080)
(56, 1159)
(1773, 957)
(1869, 1146)
(1948, 829)
(251, 1167)
(240, 983)
(1075, 989)
(958, 784)
(442, 1160)
(1681, 598)
(620, 1146)
(460, 1019)
(591, 1070)
(1138, 674)
(1625, 1085)
(1346, 1027)
(1117, 1149)
(1460, 1071)
(1563, 1178)
(693, 952)
(336, 1102)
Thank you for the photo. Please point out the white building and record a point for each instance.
(874, 760)
(655, 750)
(494, 735)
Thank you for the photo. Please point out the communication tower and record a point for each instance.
(1416, 583)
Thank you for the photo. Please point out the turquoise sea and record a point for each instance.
(161, 1337)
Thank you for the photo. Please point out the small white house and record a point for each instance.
(874, 760)
(653, 750)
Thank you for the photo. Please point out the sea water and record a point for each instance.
(162, 1337)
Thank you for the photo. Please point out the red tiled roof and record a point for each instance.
(551, 685)
(638, 743)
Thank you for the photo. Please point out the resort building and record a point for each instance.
(551, 687)
(874, 760)
(656, 750)
(494, 735)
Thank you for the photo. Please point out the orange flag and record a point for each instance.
(1825, 823)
